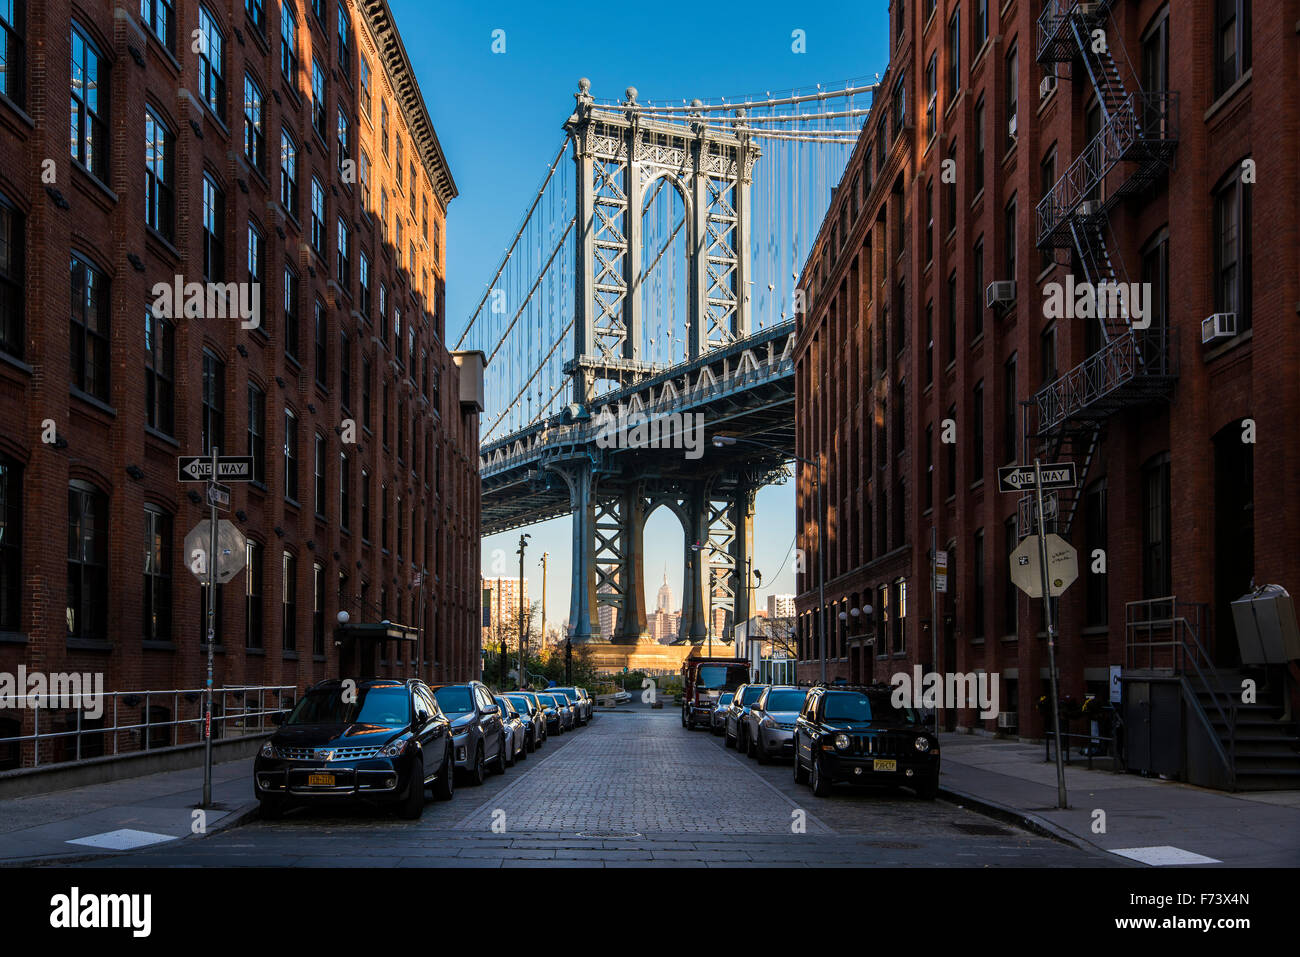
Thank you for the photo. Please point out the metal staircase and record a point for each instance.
(1132, 149)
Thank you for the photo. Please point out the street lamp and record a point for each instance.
(721, 441)
(523, 543)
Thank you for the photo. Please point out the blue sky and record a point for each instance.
(499, 116)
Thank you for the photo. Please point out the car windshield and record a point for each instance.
(786, 700)
(856, 706)
(719, 677)
(752, 694)
(546, 700)
(455, 699)
(727, 698)
(388, 705)
(522, 704)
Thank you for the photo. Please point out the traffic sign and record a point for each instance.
(231, 554)
(218, 495)
(1026, 566)
(1020, 478)
(198, 468)
(940, 571)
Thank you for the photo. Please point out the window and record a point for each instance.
(1155, 55)
(345, 492)
(383, 517)
(977, 292)
(288, 174)
(318, 98)
(365, 505)
(257, 270)
(1047, 180)
(927, 498)
(288, 42)
(1232, 42)
(977, 592)
(952, 318)
(214, 403)
(954, 59)
(12, 311)
(401, 527)
(929, 342)
(318, 474)
(1009, 410)
(157, 618)
(950, 190)
(212, 80)
(1157, 574)
(318, 602)
(1047, 354)
(344, 256)
(345, 42)
(254, 129)
(288, 602)
(1013, 96)
(1009, 236)
(90, 74)
(1155, 274)
(929, 221)
(345, 372)
(1096, 599)
(89, 329)
(900, 616)
(87, 605)
(900, 104)
(1232, 250)
(951, 468)
(11, 544)
(383, 126)
(290, 455)
(931, 97)
(291, 322)
(317, 217)
(977, 432)
(322, 347)
(363, 177)
(159, 18)
(257, 431)
(1010, 608)
(253, 588)
(256, 14)
(363, 284)
(159, 373)
(978, 185)
(399, 164)
(344, 137)
(159, 175)
(364, 70)
(214, 231)
(366, 375)
(981, 24)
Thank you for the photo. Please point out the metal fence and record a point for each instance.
(136, 721)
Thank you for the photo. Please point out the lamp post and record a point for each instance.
(523, 544)
(721, 441)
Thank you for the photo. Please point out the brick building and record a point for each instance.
(1009, 145)
(277, 142)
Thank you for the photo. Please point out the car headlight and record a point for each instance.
(922, 743)
(268, 750)
(842, 742)
(393, 748)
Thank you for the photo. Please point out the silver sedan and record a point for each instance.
(769, 726)
(516, 732)
(718, 719)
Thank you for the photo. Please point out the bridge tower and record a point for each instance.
(620, 153)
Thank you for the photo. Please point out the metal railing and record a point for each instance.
(1056, 15)
(1115, 364)
(1172, 629)
(237, 711)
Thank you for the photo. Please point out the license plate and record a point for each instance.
(884, 764)
(320, 780)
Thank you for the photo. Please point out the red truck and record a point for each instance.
(704, 680)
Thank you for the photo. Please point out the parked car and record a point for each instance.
(385, 743)
(745, 696)
(768, 729)
(530, 712)
(476, 729)
(568, 713)
(552, 713)
(516, 733)
(622, 697)
(718, 717)
(704, 680)
(856, 735)
(580, 713)
(589, 702)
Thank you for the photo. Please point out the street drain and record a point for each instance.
(989, 830)
(609, 835)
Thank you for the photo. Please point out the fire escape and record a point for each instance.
(1137, 138)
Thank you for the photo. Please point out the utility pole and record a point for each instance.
(523, 544)
(1051, 634)
(212, 632)
(545, 555)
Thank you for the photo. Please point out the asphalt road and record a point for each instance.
(631, 789)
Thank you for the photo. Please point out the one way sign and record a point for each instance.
(1020, 478)
(230, 468)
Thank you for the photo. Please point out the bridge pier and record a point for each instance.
(580, 477)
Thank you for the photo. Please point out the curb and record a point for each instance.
(239, 816)
(1023, 819)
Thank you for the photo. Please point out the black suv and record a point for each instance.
(379, 739)
(855, 735)
(476, 729)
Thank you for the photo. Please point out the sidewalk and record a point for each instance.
(89, 822)
(1146, 819)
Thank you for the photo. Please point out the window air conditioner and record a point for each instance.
(1045, 86)
(1000, 293)
(1221, 325)
(1007, 719)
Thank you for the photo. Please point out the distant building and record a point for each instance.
(501, 604)
(780, 606)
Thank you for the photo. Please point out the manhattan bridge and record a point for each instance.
(653, 275)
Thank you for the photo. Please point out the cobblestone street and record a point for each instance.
(632, 789)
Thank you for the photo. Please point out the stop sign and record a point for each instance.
(1027, 567)
(230, 551)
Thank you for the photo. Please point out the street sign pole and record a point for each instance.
(1051, 635)
(934, 620)
(212, 637)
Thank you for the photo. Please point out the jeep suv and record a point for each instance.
(476, 728)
